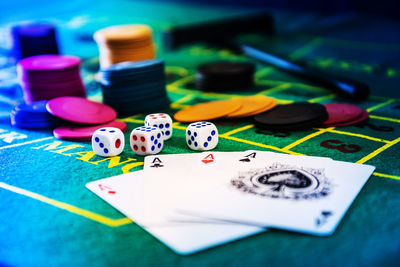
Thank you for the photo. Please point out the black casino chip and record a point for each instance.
(225, 76)
(292, 117)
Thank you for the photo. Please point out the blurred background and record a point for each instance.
(361, 38)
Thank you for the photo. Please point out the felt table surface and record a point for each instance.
(48, 217)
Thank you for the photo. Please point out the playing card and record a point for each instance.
(146, 200)
(260, 157)
(161, 167)
(184, 163)
(171, 171)
(174, 162)
(304, 194)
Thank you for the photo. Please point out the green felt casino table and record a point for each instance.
(48, 217)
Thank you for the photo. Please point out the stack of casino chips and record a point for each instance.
(45, 77)
(225, 76)
(30, 39)
(33, 116)
(134, 87)
(124, 43)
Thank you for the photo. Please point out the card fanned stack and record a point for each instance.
(191, 202)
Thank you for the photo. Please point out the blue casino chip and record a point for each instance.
(33, 116)
(135, 87)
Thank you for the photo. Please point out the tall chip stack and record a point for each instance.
(135, 87)
(124, 43)
(45, 77)
(33, 38)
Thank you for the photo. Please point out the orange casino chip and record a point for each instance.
(208, 110)
(124, 34)
(123, 43)
(252, 105)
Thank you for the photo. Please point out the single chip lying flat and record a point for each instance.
(252, 105)
(81, 110)
(292, 117)
(208, 110)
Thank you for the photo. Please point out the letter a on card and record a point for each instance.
(157, 163)
(208, 159)
(108, 189)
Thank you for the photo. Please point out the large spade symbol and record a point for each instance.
(287, 178)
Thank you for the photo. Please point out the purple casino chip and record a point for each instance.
(33, 38)
(45, 77)
(81, 110)
(49, 63)
(48, 76)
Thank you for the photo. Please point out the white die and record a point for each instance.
(108, 141)
(201, 136)
(146, 140)
(162, 121)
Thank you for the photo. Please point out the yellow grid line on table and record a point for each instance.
(388, 102)
(177, 69)
(239, 130)
(185, 98)
(133, 119)
(179, 106)
(378, 151)
(70, 208)
(321, 98)
(218, 95)
(264, 71)
(178, 103)
(395, 177)
(360, 135)
(384, 118)
(284, 101)
(278, 88)
(301, 140)
(176, 125)
(181, 81)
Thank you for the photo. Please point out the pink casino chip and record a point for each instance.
(81, 110)
(343, 114)
(84, 133)
(364, 116)
(49, 63)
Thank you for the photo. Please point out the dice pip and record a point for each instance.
(201, 136)
(146, 140)
(162, 121)
(108, 141)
